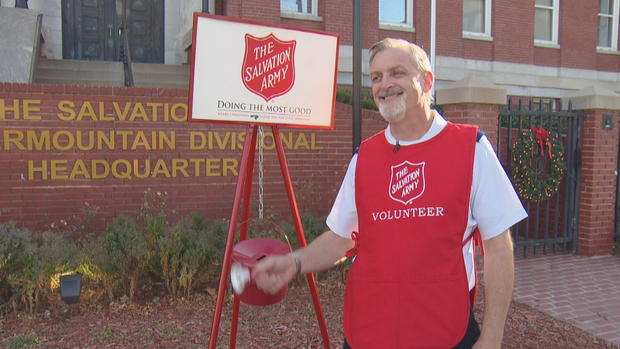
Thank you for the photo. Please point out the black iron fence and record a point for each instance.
(553, 219)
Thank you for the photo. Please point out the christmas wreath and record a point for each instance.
(537, 164)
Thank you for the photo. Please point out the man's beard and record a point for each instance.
(394, 110)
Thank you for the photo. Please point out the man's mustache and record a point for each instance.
(390, 91)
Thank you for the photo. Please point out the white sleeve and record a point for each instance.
(342, 219)
(495, 204)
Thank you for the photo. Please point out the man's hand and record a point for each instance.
(274, 272)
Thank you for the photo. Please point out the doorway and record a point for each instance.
(90, 29)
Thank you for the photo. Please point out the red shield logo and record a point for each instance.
(407, 182)
(268, 66)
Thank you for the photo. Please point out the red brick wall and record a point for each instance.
(512, 30)
(483, 115)
(58, 181)
(598, 191)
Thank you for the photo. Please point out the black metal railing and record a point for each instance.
(552, 224)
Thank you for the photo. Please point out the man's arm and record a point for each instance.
(275, 271)
(498, 284)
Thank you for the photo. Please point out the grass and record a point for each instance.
(23, 341)
(107, 334)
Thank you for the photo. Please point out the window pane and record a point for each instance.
(393, 11)
(301, 6)
(473, 15)
(604, 32)
(607, 6)
(542, 30)
(544, 2)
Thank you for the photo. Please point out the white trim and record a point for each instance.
(614, 29)
(313, 15)
(525, 79)
(407, 26)
(517, 78)
(607, 51)
(396, 27)
(544, 43)
(486, 34)
(555, 18)
(302, 16)
(477, 36)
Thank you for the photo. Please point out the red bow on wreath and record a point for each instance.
(542, 135)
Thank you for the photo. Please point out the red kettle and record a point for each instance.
(246, 254)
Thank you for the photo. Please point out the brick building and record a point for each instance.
(485, 52)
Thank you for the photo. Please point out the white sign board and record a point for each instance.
(250, 72)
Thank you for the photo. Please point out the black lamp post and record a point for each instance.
(71, 288)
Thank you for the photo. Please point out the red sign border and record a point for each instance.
(245, 21)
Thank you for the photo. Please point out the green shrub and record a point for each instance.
(125, 253)
(197, 254)
(12, 247)
(346, 96)
(44, 258)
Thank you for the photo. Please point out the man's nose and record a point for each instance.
(385, 82)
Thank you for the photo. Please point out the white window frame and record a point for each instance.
(555, 18)
(313, 16)
(407, 26)
(487, 24)
(614, 28)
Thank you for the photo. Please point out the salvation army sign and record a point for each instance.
(251, 72)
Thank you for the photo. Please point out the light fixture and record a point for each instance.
(70, 288)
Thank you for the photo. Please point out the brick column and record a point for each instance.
(598, 169)
(473, 100)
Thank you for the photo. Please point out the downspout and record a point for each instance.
(433, 34)
(357, 73)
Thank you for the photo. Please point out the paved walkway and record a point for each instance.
(584, 291)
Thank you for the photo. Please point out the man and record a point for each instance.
(409, 205)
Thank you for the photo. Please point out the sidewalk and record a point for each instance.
(584, 291)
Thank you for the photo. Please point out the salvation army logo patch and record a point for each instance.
(268, 66)
(407, 182)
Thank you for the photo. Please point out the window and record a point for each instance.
(608, 24)
(546, 22)
(299, 7)
(395, 14)
(477, 18)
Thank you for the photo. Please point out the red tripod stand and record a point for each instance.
(243, 191)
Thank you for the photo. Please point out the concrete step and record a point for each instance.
(76, 72)
(161, 75)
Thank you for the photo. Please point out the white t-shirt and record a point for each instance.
(493, 205)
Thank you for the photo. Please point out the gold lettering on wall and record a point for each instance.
(132, 169)
(78, 136)
(20, 110)
(65, 140)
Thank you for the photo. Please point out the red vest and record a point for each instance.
(408, 286)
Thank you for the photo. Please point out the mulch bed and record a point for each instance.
(182, 323)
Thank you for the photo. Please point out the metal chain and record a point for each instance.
(261, 137)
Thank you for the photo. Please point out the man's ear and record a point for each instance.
(427, 80)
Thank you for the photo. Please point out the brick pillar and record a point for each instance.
(473, 100)
(598, 169)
